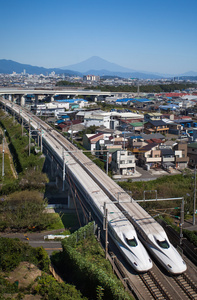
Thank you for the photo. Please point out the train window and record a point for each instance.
(131, 242)
(163, 244)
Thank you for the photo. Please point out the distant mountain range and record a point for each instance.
(94, 65)
(10, 66)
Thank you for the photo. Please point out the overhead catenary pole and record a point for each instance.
(3, 173)
(106, 234)
(181, 221)
(169, 199)
(29, 138)
(71, 131)
(22, 125)
(41, 132)
(63, 174)
(105, 228)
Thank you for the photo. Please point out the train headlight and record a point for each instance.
(169, 266)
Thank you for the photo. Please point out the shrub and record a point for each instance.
(13, 251)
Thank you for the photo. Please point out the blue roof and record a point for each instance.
(60, 121)
(123, 100)
(136, 137)
(141, 100)
(169, 106)
(70, 100)
(30, 96)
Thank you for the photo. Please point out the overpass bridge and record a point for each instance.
(10, 93)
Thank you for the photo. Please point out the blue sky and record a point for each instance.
(155, 36)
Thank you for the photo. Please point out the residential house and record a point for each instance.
(123, 162)
(90, 140)
(167, 157)
(192, 154)
(142, 102)
(174, 128)
(149, 156)
(97, 120)
(152, 116)
(70, 126)
(181, 158)
(123, 101)
(156, 127)
(105, 149)
(136, 127)
(169, 107)
(135, 142)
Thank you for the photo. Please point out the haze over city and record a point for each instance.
(152, 36)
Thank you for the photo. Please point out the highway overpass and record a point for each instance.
(10, 93)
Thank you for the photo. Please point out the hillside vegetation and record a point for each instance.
(24, 271)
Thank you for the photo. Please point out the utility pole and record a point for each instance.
(194, 210)
(72, 132)
(182, 221)
(38, 136)
(22, 125)
(107, 163)
(41, 132)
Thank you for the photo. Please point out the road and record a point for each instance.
(37, 240)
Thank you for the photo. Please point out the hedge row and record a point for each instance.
(81, 234)
(90, 277)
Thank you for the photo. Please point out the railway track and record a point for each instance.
(154, 286)
(187, 285)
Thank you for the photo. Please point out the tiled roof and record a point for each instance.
(157, 122)
(148, 147)
(95, 136)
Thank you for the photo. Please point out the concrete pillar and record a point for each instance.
(36, 99)
(22, 100)
(52, 98)
(69, 200)
(10, 97)
(95, 99)
(52, 166)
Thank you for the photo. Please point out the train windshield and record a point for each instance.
(163, 244)
(131, 242)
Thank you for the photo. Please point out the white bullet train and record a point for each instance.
(165, 253)
(125, 237)
(120, 229)
(155, 239)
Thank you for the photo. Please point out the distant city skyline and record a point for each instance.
(152, 36)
